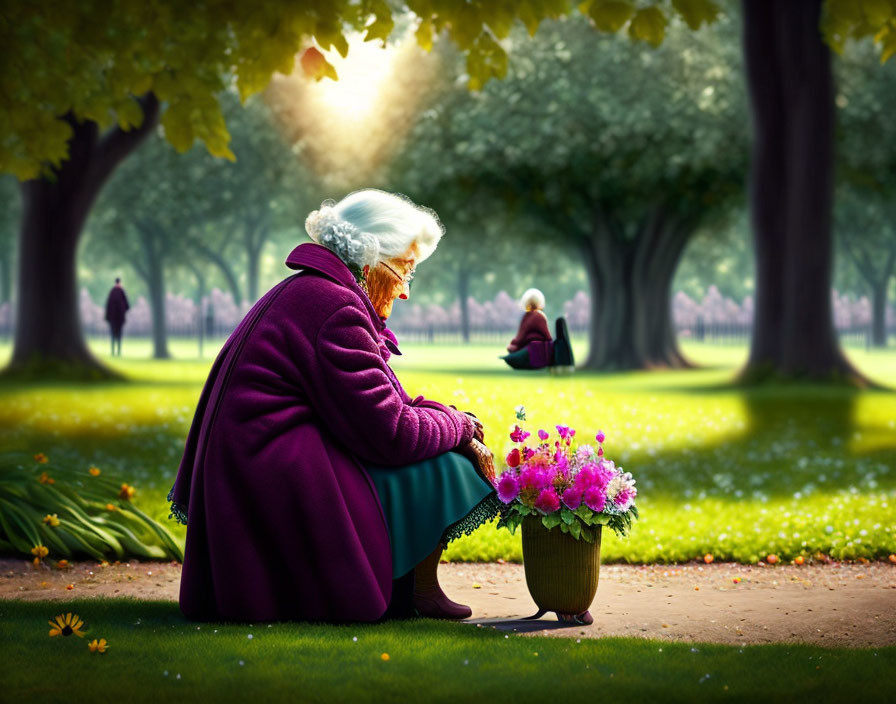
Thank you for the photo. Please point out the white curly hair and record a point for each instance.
(370, 225)
(532, 299)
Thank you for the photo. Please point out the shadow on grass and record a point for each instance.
(155, 655)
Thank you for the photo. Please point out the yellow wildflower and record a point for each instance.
(127, 492)
(98, 646)
(45, 478)
(62, 564)
(94, 471)
(40, 551)
(41, 458)
(66, 625)
(51, 519)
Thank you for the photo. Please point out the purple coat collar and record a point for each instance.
(314, 256)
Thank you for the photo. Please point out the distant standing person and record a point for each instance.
(116, 308)
(531, 348)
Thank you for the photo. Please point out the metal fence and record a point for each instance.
(714, 332)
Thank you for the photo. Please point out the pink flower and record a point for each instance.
(563, 430)
(543, 434)
(528, 453)
(625, 498)
(534, 478)
(594, 475)
(600, 452)
(595, 498)
(572, 497)
(548, 501)
(518, 434)
(600, 437)
(513, 458)
(508, 487)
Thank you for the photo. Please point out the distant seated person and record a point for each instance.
(532, 348)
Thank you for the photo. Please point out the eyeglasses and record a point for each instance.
(406, 279)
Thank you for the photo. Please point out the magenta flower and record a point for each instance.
(600, 452)
(572, 497)
(543, 434)
(595, 498)
(563, 430)
(572, 432)
(518, 434)
(548, 501)
(528, 453)
(561, 464)
(513, 458)
(508, 487)
(534, 478)
(600, 437)
(594, 475)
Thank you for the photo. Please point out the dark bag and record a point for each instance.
(562, 348)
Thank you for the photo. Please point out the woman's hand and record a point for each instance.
(478, 430)
(481, 457)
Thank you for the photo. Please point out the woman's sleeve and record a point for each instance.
(515, 342)
(350, 389)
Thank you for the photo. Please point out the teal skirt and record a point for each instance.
(428, 502)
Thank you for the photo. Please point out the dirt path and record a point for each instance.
(831, 605)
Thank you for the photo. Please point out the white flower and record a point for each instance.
(616, 485)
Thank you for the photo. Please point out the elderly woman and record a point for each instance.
(531, 348)
(311, 480)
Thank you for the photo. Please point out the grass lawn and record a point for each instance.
(795, 470)
(155, 655)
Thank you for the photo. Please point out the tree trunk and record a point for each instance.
(48, 337)
(791, 96)
(611, 338)
(253, 258)
(630, 282)
(220, 261)
(879, 314)
(256, 236)
(463, 296)
(152, 270)
(5, 277)
(200, 294)
(661, 344)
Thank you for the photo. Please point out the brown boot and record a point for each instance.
(429, 599)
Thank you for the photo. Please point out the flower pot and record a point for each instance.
(561, 572)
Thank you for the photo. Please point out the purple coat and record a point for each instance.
(284, 523)
(116, 307)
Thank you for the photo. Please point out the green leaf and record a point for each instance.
(588, 534)
(575, 530)
(564, 528)
(697, 12)
(610, 15)
(552, 520)
(567, 516)
(649, 25)
(877, 12)
(887, 38)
